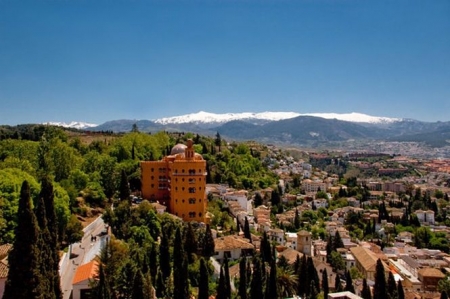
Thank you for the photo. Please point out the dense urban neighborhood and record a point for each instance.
(179, 215)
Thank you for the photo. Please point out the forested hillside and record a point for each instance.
(88, 169)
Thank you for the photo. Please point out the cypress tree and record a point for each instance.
(329, 248)
(247, 234)
(312, 274)
(401, 292)
(45, 255)
(24, 275)
(297, 220)
(47, 196)
(303, 282)
(313, 292)
(164, 257)
(153, 263)
(221, 291)
(256, 286)
(242, 278)
(349, 282)
(337, 284)
(180, 267)
(379, 289)
(138, 286)
(265, 249)
(203, 287)
(160, 284)
(208, 247)
(325, 287)
(444, 295)
(337, 242)
(190, 242)
(272, 285)
(365, 293)
(226, 273)
(101, 289)
(124, 187)
(297, 264)
(391, 286)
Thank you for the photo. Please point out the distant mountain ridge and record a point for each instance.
(311, 129)
(203, 117)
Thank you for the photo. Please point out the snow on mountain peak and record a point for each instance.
(74, 124)
(356, 117)
(207, 117)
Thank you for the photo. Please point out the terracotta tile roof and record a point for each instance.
(4, 250)
(86, 271)
(365, 257)
(290, 254)
(431, 272)
(231, 242)
(3, 269)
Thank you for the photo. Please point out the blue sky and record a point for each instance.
(94, 61)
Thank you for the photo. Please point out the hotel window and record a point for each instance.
(191, 181)
(153, 169)
(191, 214)
(192, 200)
(192, 190)
(200, 214)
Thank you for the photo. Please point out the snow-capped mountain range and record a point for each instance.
(74, 124)
(207, 117)
(203, 117)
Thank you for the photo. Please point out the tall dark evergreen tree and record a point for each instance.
(365, 293)
(379, 289)
(325, 286)
(138, 291)
(272, 285)
(203, 286)
(180, 267)
(45, 256)
(297, 222)
(400, 291)
(337, 284)
(275, 198)
(303, 282)
(47, 196)
(190, 242)
(266, 249)
(258, 199)
(391, 286)
(337, 241)
(101, 289)
(243, 278)
(226, 273)
(313, 291)
(329, 248)
(124, 187)
(349, 282)
(208, 243)
(24, 276)
(312, 275)
(160, 284)
(164, 257)
(256, 285)
(221, 289)
(247, 234)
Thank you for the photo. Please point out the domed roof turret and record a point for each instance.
(178, 149)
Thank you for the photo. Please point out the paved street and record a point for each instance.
(82, 253)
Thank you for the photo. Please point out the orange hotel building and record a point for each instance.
(177, 181)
